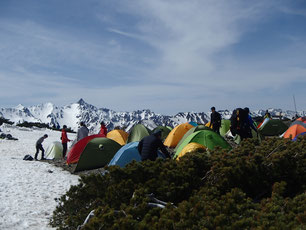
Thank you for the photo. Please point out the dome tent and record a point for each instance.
(127, 154)
(92, 152)
(207, 138)
(176, 134)
(118, 135)
(272, 127)
(296, 128)
(297, 136)
(189, 132)
(191, 147)
(138, 132)
(225, 126)
(54, 150)
(193, 123)
(98, 152)
(75, 152)
(165, 131)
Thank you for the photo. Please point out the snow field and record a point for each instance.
(28, 188)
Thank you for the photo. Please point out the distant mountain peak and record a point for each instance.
(81, 102)
(72, 114)
(19, 107)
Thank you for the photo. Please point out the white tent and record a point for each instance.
(54, 150)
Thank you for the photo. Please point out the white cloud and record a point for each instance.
(189, 33)
(167, 56)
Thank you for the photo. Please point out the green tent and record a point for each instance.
(97, 153)
(138, 132)
(272, 128)
(165, 131)
(191, 131)
(208, 138)
(225, 126)
(54, 150)
(255, 135)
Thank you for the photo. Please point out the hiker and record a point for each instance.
(103, 130)
(82, 132)
(215, 120)
(240, 123)
(149, 145)
(40, 147)
(267, 115)
(65, 140)
(250, 123)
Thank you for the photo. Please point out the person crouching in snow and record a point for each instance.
(103, 130)
(40, 147)
(65, 140)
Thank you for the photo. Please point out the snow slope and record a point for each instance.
(28, 188)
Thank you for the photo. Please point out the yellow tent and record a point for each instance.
(208, 124)
(118, 135)
(176, 134)
(191, 147)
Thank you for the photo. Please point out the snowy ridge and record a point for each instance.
(71, 115)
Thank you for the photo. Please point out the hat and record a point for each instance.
(157, 132)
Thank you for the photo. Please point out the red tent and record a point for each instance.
(75, 152)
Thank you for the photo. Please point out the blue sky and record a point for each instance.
(165, 55)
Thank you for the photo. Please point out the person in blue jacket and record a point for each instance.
(149, 145)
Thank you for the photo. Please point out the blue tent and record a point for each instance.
(127, 154)
(297, 136)
(193, 123)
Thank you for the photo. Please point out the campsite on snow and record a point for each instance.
(264, 170)
(152, 115)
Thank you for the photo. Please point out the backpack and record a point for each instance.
(28, 158)
(239, 121)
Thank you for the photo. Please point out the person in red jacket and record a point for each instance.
(103, 130)
(65, 140)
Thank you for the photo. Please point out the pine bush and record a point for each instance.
(250, 187)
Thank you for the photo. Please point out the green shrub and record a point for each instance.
(42, 125)
(4, 120)
(251, 187)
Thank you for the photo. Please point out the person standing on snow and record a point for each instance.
(40, 147)
(103, 130)
(215, 120)
(82, 132)
(149, 145)
(65, 140)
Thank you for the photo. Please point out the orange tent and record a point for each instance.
(293, 131)
(302, 119)
(118, 135)
(176, 134)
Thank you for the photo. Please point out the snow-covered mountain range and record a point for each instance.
(71, 115)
